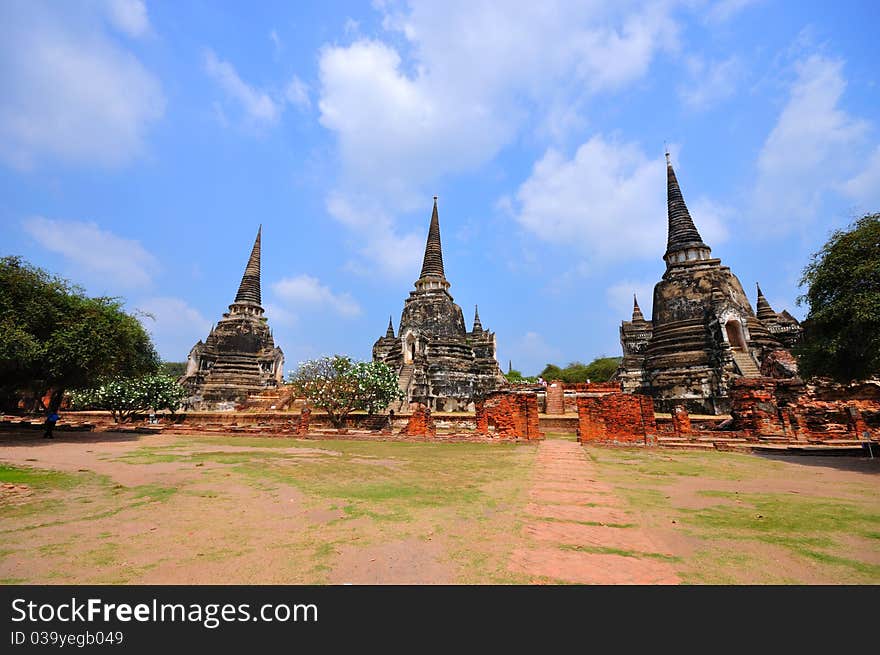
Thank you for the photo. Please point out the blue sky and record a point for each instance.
(143, 142)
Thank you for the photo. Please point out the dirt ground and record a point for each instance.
(110, 508)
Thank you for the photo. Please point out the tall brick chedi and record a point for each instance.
(440, 363)
(703, 333)
(239, 358)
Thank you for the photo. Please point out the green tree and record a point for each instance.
(599, 370)
(841, 336)
(173, 369)
(123, 397)
(340, 386)
(551, 372)
(516, 377)
(602, 368)
(54, 337)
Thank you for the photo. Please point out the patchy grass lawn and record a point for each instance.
(263, 510)
(736, 518)
(166, 509)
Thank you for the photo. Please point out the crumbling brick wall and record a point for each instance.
(681, 421)
(305, 416)
(771, 408)
(615, 418)
(482, 419)
(420, 423)
(513, 414)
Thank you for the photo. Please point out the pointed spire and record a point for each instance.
(433, 262)
(249, 289)
(683, 233)
(389, 333)
(637, 311)
(765, 311)
(509, 366)
(478, 326)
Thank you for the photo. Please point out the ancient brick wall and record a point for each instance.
(615, 418)
(481, 418)
(305, 416)
(556, 397)
(514, 415)
(595, 387)
(753, 406)
(420, 423)
(770, 408)
(681, 421)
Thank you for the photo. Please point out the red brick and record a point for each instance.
(615, 417)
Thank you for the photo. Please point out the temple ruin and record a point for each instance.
(703, 333)
(440, 363)
(239, 358)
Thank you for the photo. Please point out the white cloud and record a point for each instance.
(70, 91)
(864, 187)
(276, 42)
(174, 325)
(380, 244)
(258, 106)
(608, 201)
(810, 149)
(709, 83)
(475, 69)
(711, 219)
(351, 26)
(308, 290)
(95, 253)
(456, 82)
(297, 93)
(129, 16)
(279, 315)
(723, 10)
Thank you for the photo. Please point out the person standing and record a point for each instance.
(51, 420)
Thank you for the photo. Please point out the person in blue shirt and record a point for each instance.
(51, 420)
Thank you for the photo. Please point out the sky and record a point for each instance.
(142, 144)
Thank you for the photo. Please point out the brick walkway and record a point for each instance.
(577, 531)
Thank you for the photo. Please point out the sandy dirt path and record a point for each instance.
(578, 531)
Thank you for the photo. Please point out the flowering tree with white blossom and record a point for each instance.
(340, 386)
(124, 397)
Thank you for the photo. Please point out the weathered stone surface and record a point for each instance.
(239, 358)
(440, 364)
(703, 333)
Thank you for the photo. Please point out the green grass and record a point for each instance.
(40, 478)
(737, 538)
(779, 516)
(603, 550)
(464, 495)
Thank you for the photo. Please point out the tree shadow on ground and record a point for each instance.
(843, 462)
(34, 438)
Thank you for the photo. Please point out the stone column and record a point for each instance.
(556, 397)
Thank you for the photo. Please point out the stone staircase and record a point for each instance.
(746, 365)
(405, 380)
(275, 399)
